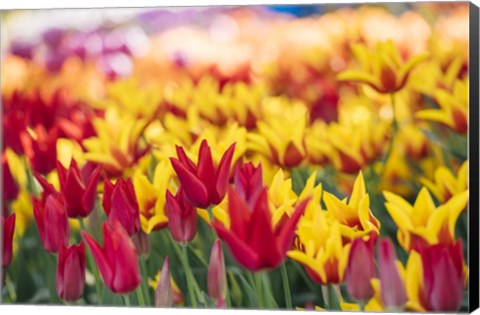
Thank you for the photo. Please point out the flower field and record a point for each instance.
(310, 157)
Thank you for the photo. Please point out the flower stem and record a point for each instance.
(259, 288)
(91, 264)
(141, 299)
(394, 132)
(188, 273)
(286, 286)
(144, 285)
(126, 299)
(325, 296)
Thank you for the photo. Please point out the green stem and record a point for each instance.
(144, 286)
(10, 289)
(141, 299)
(259, 288)
(126, 299)
(286, 286)
(188, 273)
(93, 269)
(325, 296)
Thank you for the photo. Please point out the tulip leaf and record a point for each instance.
(251, 294)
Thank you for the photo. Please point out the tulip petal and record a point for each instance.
(244, 255)
(89, 196)
(194, 189)
(206, 172)
(223, 172)
(100, 259)
(288, 228)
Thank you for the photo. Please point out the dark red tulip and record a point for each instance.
(203, 184)
(182, 217)
(360, 270)
(120, 203)
(52, 221)
(79, 188)
(393, 292)
(216, 277)
(252, 239)
(117, 260)
(443, 276)
(8, 227)
(70, 280)
(10, 187)
(41, 148)
(248, 181)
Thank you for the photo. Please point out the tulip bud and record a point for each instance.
(248, 181)
(443, 276)
(8, 227)
(163, 292)
(52, 221)
(393, 293)
(70, 280)
(41, 151)
(360, 270)
(120, 203)
(216, 278)
(182, 217)
(10, 187)
(117, 260)
(142, 243)
(79, 188)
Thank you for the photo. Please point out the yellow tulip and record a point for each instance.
(383, 69)
(445, 184)
(355, 216)
(453, 110)
(424, 222)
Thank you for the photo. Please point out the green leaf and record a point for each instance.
(333, 303)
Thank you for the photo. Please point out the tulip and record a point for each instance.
(120, 203)
(52, 221)
(10, 187)
(443, 276)
(360, 270)
(182, 217)
(203, 184)
(393, 294)
(163, 292)
(70, 280)
(382, 69)
(41, 148)
(8, 227)
(252, 240)
(79, 188)
(248, 181)
(117, 260)
(216, 277)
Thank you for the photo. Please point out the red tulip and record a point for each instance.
(10, 187)
(248, 181)
(8, 227)
(79, 188)
(216, 277)
(70, 280)
(164, 292)
(120, 203)
(252, 239)
(182, 217)
(41, 149)
(52, 221)
(393, 292)
(203, 184)
(360, 270)
(443, 276)
(117, 260)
